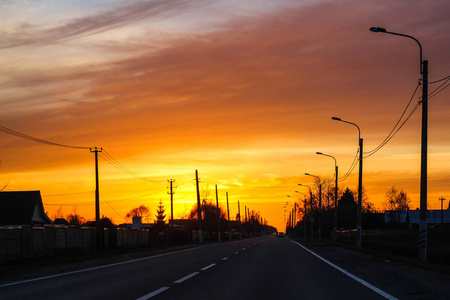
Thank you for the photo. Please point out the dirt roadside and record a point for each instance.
(401, 278)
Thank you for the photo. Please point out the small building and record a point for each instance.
(61, 221)
(22, 208)
(413, 216)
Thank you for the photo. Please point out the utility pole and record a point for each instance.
(240, 223)
(359, 209)
(335, 207)
(171, 192)
(219, 233)
(228, 209)
(423, 234)
(199, 210)
(239, 211)
(228, 212)
(97, 195)
(442, 199)
(295, 214)
(245, 209)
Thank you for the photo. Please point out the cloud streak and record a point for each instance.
(94, 24)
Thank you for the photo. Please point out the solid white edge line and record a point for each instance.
(207, 267)
(186, 277)
(96, 268)
(365, 283)
(154, 293)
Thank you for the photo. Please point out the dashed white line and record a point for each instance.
(207, 267)
(365, 283)
(186, 277)
(154, 293)
(225, 258)
(243, 249)
(237, 252)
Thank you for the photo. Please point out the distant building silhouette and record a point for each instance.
(401, 216)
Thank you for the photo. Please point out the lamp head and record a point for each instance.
(320, 153)
(377, 29)
(307, 174)
(336, 119)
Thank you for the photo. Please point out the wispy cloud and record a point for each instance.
(27, 35)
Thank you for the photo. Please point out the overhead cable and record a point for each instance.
(396, 128)
(31, 138)
(108, 158)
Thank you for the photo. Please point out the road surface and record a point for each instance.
(259, 268)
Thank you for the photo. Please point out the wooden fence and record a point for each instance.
(22, 242)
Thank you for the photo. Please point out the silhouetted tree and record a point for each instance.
(141, 211)
(396, 201)
(58, 214)
(160, 220)
(75, 218)
(209, 217)
(347, 210)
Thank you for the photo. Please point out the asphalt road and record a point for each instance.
(258, 268)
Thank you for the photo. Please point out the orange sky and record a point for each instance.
(242, 92)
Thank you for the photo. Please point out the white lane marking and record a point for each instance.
(237, 252)
(154, 293)
(95, 268)
(365, 283)
(243, 249)
(207, 267)
(186, 277)
(225, 258)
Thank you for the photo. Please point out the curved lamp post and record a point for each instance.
(359, 209)
(424, 147)
(311, 208)
(320, 204)
(304, 217)
(335, 196)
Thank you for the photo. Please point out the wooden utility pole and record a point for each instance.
(171, 192)
(199, 211)
(228, 209)
(219, 233)
(97, 193)
(97, 197)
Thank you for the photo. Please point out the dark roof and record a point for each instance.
(61, 221)
(22, 208)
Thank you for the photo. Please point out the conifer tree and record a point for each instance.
(160, 216)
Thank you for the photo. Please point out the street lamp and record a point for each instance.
(359, 209)
(311, 209)
(424, 147)
(320, 204)
(335, 195)
(304, 216)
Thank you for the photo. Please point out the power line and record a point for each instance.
(352, 167)
(112, 208)
(67, 194)
(395, 129)
(406, 120)
(37, 140)
(439, 89)
(442, 79)
(108, 158)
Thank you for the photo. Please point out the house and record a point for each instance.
(22, 208)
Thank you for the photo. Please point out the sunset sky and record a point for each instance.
(242, 91)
